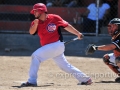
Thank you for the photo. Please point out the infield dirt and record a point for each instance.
(14, 71)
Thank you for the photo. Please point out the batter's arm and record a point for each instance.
(33, 28)
(72, 30)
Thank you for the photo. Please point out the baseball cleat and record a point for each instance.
(89, 82)
(117, 80)
(27, 84)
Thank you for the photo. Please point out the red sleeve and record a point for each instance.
(60, 21)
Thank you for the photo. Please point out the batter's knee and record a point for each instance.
(106, 59)
(33, 55)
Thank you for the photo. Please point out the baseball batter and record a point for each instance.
(47, 27)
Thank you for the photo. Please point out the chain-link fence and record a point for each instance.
(88, 16)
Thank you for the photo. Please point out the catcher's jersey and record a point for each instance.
(116, 42)
(48, 30)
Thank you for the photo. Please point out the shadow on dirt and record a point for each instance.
(45, 85)
(106, 82)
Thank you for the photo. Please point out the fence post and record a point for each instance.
(97, 18)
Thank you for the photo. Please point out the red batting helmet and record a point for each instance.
(40, 7)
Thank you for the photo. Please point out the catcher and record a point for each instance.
(112, 60)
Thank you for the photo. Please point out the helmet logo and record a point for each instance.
(51, 27)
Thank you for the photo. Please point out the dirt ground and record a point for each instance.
(14, 71)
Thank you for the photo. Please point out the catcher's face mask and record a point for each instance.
(112, 29)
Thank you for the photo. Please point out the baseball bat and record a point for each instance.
(74, 39)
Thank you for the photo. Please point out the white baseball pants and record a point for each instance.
(56, 52)
(112, 60)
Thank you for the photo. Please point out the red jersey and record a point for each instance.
(48, 30)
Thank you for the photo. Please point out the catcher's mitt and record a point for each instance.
(90, 49)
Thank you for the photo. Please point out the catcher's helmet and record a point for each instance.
(114, 30)
(115, 21)
(40, 7)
